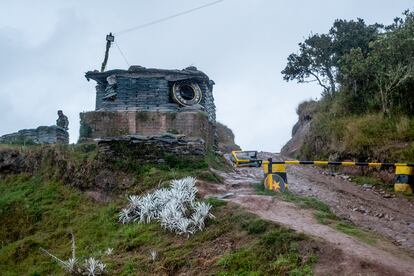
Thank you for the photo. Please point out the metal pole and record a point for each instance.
(269, 168)
(109, 39)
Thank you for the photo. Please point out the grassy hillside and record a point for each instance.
(40, 210)
(371, 136)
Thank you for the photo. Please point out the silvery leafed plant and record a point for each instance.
(175, 208)
(74, 266)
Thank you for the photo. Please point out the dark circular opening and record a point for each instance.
(187, 92)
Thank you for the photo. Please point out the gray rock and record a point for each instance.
(226, 195)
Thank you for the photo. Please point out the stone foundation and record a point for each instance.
(40, 135)
(104, 124)
(153, 148)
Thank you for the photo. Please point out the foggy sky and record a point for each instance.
(47, 46)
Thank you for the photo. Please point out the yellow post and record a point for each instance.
(275, 176)
(404, 179)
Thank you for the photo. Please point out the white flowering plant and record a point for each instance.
(175, 208)
(74, 266)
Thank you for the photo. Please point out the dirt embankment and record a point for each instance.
(342, 254)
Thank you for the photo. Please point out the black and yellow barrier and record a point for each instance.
(276, 177)
(404, 178)
(245, 158)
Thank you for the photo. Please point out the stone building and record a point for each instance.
(147, 101)
(40, 135)
(56, 134)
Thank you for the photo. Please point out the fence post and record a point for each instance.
(269, 166)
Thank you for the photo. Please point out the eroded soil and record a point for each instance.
(392, 218)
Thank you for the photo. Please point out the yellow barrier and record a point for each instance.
(404, 179)
(276, 177)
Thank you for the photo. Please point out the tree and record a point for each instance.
(392, 60)
(314, 63)
(388, 65)
(319, 55)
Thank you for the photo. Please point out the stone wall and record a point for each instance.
(102, 124)
(140, 88)
(40, 135)
(208, 101)
(152, 148)
(137, 93)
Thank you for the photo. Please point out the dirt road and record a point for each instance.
(391, 218)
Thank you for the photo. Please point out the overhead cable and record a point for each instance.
(166, 18)
(122, 53)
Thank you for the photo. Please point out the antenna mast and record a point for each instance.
(109, 39)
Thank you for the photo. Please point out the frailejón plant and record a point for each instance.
(175, 208)
(73, 266)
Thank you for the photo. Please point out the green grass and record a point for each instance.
(275, 253)
(361, 180)
(301, 201)
(257, 226)
(322, 213)
(353, 230)
(215, 202)
(367, 137)
(39, 212)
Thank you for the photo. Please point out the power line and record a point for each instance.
(166, 18)
(122, 53)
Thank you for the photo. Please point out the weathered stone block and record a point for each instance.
(104, 124)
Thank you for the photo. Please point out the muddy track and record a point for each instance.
(344, 255)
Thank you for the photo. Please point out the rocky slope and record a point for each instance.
(305, 112)
(225, 138)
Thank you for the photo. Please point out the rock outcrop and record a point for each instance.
(305, 111)
(225, 139)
